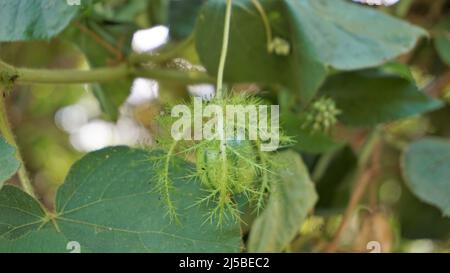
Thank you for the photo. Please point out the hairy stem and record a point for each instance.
(6, 132)
(223, 190)
(264, 180)
(167, 183)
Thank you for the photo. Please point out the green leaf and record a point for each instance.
(19, 213)
(426, 168)
(293, 118)
(248, 59)
(332, 181)
(8, 162)
(158, 12)
(110, 95)
(349, 36)
(288, 205)
(23, 20)
(108, 204)
(398, 69)
(182, 16)
(305, 140)
(33, 243)
(442, 40)
(121, 11)
(368, 98)
(336, 41)
(313, 142)
(420, 220)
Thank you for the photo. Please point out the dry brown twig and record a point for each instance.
(362, 182)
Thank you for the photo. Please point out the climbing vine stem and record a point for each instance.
(224, 52)
(100, 75)
(266, 22)
(6, 132)
(176, 50)
(219, 95)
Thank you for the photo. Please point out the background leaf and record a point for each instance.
(108, 204)
(426, 168)
(289, 203)
(315, 43)
(8, 162)
(348, 36)
(85, 35)
(332, 186)
(305, 140)
(34, 19)
(182, 17)
(368, 98)
(248, 59)
(293, 120)
(442, 40)
(33, 243)
(420, 220)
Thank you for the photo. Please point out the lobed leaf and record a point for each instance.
(426, 168)
(23, 20)
(108, 204)
(9, 165)
(320, 32)
(289, 203)
(368, 98)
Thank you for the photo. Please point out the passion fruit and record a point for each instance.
(239, 166)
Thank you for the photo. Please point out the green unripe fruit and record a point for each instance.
(238, 167)
(208, 165)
